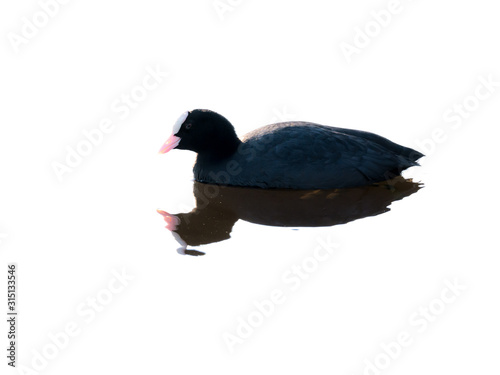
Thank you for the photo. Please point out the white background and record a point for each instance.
(256, 61)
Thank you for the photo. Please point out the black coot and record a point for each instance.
(290, 155)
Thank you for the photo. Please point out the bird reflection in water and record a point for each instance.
(218, 208)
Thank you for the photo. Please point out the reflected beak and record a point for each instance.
(171, 220)
(171, 143)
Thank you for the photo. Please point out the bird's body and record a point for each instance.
(292, 155)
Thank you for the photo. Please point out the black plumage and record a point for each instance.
(294, 155)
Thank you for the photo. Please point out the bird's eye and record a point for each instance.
(188, 126)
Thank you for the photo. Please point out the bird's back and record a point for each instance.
(302, 155)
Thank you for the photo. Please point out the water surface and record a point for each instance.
(218, 208)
